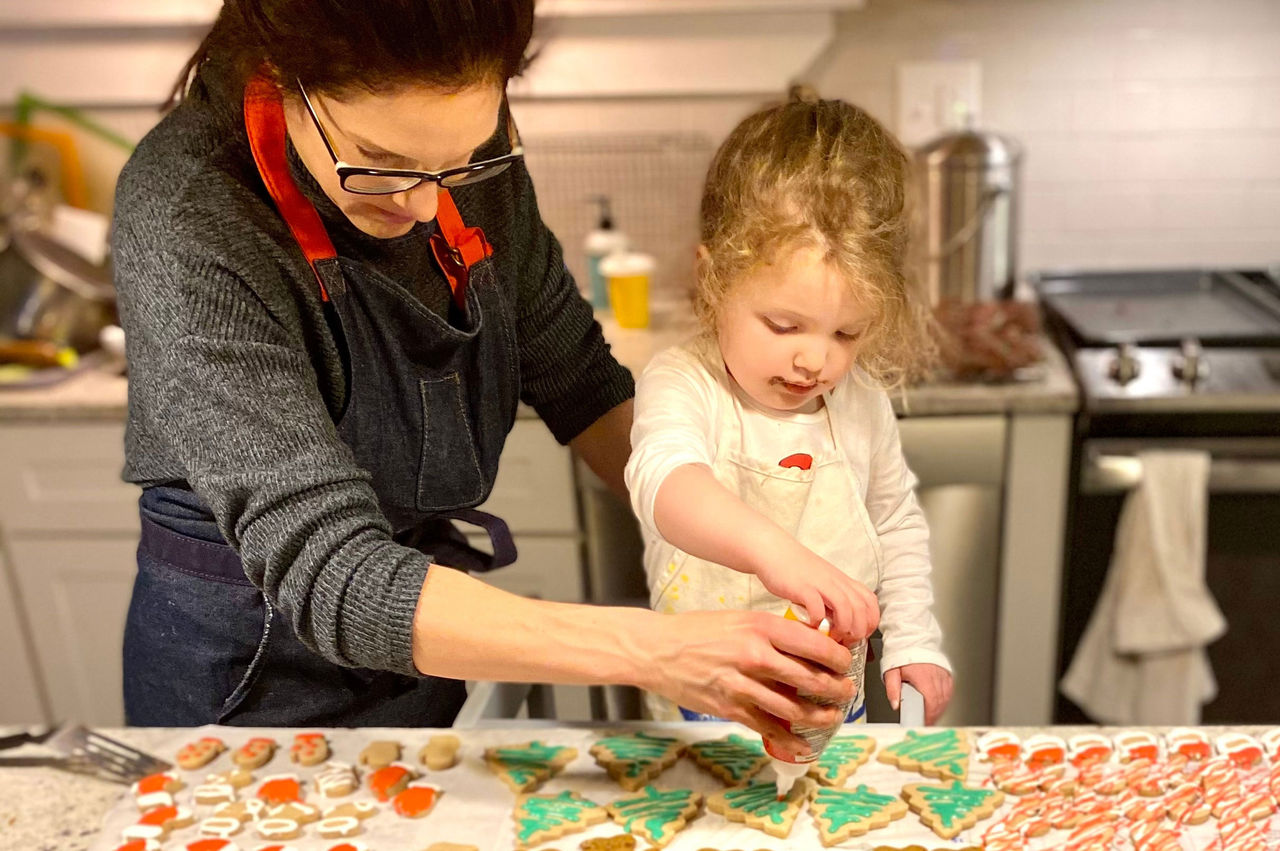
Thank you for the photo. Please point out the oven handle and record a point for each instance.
(1105, 472)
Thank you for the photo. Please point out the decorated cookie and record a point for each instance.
(1270, 742)
(211, 794)
(999, 746)
(1188, 743)
(237, 778)
(1043, 750)
(255, 753)
(943, 754)
(379, 754)
(633, 759)
(656, 815)
(138, 845)
(756, 804)
(162, 782)
(355, 809)
(249, 809)
(841, 758)
(1137, 744)
(199, 753)
(220, 827)
(416, 800)
(278, 828)
(450, 846)
(158, 823)
(440, 752)
(294, 810)
(842, 813)
(949, 808)
(338, 827)
(1186, 804)
(212, 844)
(527, 766)
(151, 800)
(280, 789)
(733, 759)
(309, 749)
(1244, 751)
(542, 818)
(387, 782)
(336, 780)
(1089, 748)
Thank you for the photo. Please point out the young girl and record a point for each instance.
(766, 468)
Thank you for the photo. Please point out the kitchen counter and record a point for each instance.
(47, 810)
(98, 394)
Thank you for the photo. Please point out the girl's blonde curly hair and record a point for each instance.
(820, 174)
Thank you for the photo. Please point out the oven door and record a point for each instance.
(1242, 562)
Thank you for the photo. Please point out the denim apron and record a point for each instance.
(428, 409)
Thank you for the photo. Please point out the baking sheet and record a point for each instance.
(476, 806)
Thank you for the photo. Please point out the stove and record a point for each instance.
(1168, 341)
(1184, 358)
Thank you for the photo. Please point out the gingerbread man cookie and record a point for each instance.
(309, 749)
(199, 753)
(255, 753)
(379, 754)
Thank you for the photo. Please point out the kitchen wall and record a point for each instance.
(1151, 127)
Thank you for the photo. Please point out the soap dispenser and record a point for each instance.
(600, 243)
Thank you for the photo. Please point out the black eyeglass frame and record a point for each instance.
(481, 170)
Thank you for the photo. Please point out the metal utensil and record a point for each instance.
(85, 752)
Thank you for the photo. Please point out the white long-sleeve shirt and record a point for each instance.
(679, 402)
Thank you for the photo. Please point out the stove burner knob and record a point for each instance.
(1125, 366)
(1190, 365)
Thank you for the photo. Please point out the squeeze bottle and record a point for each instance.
(600, 243)
(817, 738)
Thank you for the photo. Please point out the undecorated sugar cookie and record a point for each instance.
(440, 753)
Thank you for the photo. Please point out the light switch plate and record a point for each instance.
(935, 97)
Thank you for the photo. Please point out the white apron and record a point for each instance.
(820, 506)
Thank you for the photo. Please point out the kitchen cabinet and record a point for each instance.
(69, 531)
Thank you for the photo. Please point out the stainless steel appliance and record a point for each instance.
(969, 206)
(1182, 358)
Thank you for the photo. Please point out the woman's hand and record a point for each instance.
(808, 580)
(933, 683)
(747, 667)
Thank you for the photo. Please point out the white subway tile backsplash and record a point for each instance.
(1162, 55)
(1136, 108)
(1246, 54)
(1212, 106)
(1266, 107)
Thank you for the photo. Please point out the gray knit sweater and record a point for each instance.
(235, 378)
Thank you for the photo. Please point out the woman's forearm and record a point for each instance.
(466, 629)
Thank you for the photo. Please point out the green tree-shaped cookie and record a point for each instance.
(633, 759)
(733, 759)
(841, 813)
(841, 758)
(526, 767)
(756, 805)
(951, 807)
(943, 754)
(656, 815)
(541, 818)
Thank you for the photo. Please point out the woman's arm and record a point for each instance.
(726, 663)
(606, 444)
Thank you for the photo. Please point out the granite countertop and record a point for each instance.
(98, 393)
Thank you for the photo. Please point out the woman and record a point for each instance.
(336, 288)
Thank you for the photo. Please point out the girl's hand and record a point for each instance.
(933, 683)
(816, 584)
(747, 667)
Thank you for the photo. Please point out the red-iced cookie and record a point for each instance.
(158, 823)
(1044, 749)
(416, 800)
(386, 783)
(309, 749)
(255, 753)
(1137, 744)
(1088, 749)
(160, 782)
(1188, 743)
(212, 845)
(139, 845)
(999, 746)
(1245, 751)
(199, 753)
(280, 789)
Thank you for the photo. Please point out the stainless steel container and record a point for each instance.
(49, 293)
(969, 203)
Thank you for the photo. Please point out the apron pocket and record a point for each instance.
(449, 474)
(191, 644)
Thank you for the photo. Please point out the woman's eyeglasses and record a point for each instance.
(387, 181)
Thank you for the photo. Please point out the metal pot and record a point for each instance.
(970, 207)
(50, 293)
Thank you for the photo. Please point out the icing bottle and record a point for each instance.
(787, 770)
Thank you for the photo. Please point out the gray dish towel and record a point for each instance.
(1142, 659)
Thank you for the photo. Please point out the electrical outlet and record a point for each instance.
(936, 97)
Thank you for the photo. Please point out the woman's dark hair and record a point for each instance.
(339, 45)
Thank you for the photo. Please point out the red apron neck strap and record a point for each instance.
(264, 122)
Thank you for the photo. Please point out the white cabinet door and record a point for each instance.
(20, 699)
(534, 489)
(76, 592)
